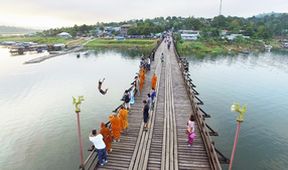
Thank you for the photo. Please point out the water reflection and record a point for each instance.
(130, 53)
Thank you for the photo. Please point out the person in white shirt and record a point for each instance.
(97, 140)
(191, 130)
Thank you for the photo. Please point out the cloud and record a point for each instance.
(55, 13)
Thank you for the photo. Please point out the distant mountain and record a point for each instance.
(15, 30)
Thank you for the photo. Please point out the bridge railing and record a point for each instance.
(91, 160)
(195, 101)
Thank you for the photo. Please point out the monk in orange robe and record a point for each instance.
(107, 137)
(154, 82)
(142, 79)
(115, 127)
(123, 115)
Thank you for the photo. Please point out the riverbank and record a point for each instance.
(131, 46)
(127, 43)
(212, 47)
(87, 42)
(45, 40)
(36, 39)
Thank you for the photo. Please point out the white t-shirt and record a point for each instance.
(191, 124)
(97, 141)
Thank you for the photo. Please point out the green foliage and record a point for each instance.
(263, 27)
(44, 40)
(139, 43)
(82, 29)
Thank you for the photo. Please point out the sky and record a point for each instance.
(43, 14)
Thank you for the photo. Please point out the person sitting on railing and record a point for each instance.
(137, 84)
(142, 62)
(123, 115)
(127, 98)
(153, 55)
(148, 63)
(103, 92)
(115, 127)
(154, 81)
(97, 140)
(191, 130)
(107, 136)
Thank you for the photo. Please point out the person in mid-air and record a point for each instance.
(103, 92)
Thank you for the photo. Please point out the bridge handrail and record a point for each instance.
(209, 144)
(89, 162)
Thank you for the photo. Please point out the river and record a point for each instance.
(261, 82)
(38, 123)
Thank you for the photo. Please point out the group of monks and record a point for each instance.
(119, 123)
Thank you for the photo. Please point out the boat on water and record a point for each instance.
(55, 52)
(17, 50)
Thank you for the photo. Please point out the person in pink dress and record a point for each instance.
(191, 130)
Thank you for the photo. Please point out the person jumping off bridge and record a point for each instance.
(103, 92)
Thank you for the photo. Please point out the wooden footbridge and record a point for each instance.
(164, 145)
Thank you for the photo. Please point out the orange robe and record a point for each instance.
(115, 126)
(142, 79)
(123, 115)
(154, 82)
(107, 137)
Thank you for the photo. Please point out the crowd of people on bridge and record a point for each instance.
(118, 120)
(102, 141)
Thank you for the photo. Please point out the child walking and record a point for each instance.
(191, 130)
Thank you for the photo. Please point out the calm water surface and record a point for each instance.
(261, 82)
(38, 125)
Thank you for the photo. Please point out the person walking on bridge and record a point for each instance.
(123, 115)
(145, 114)
(100, 146)
(191, 130)
(154, 81)
(115, 127)
(142, 79)
(107, 136)
(153, 96)
(162, 58)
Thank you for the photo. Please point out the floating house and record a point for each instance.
(8, 43)
(119, 38)
(58, 47)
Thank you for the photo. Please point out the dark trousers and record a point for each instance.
(102, 156)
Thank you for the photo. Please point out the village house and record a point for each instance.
(189, 34)
(64, 35)
(124, 29)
